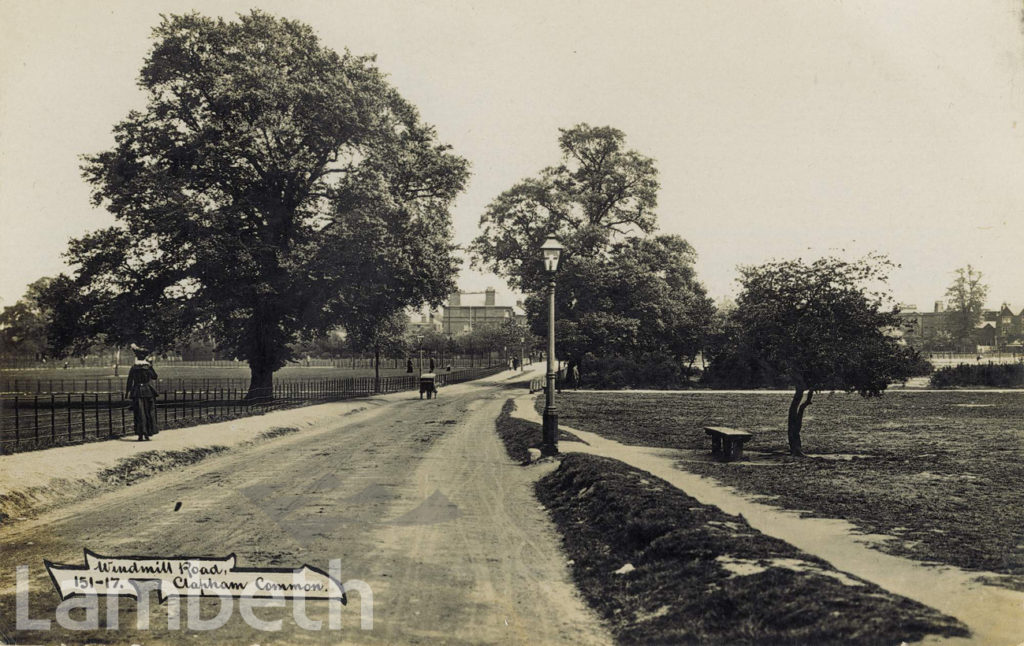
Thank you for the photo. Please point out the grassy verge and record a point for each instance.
(662, 568)
(520, 435)
(23, 503)
(938, 472)
(138, 467)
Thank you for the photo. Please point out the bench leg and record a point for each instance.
(727, 445)
(716, 445)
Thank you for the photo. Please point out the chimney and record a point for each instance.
(940, 306)
(455, 299)
(519, 304)
(489, 297)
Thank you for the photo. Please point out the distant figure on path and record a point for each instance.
(574, 375)
(431, 364)
(140, 389)
(408, 365)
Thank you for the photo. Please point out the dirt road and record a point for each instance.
(415, 498)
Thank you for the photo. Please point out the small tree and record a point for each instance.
(820, 326)
(965, 299)
(23, 325)
(385, 335)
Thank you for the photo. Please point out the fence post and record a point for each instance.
(17, 425)
(96, 411)
(110, 412)
(81, 406)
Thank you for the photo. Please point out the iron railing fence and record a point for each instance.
(66, 382)
(41, 420)
(354, 363)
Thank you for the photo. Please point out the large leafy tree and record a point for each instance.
(620, 289)
(825, 325)
(965, 299)
(269, 185)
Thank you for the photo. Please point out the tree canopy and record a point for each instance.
(271, 187)
(621, 289)
(23, 325)
(825, 325)
(600, 192)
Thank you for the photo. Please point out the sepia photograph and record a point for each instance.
(477, 322)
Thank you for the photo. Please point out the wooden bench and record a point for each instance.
(727, 443)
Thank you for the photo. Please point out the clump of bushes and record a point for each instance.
(1006, 375)
(920, 367)
(649, 370)
(737, 371)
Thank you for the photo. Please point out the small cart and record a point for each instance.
(428, 384)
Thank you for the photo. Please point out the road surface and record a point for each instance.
(416, 498)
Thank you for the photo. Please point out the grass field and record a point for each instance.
(938, 472)
(661, 568)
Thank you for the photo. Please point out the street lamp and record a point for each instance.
(419, 341)
(552, 250)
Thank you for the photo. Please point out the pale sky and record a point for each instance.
(780, 129)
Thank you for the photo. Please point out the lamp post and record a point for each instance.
(551, 249)
(419, 341)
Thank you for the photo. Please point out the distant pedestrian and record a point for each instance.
(142, 392)
(574, 375)
(431, 364)
(408, 365)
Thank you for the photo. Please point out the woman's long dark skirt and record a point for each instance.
(144, 410)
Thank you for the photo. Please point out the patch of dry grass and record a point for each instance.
(939, 472)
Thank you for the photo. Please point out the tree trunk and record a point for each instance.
(261, 382)
(796, 420)
(265, 346)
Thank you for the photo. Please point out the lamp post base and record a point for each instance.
(550, 432)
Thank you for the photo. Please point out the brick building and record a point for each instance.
(465, 311)
(999, 329)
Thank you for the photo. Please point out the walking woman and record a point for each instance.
(140, 388)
